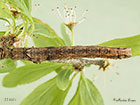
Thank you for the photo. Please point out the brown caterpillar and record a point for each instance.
(38, 55)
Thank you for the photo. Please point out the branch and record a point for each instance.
(81, 62)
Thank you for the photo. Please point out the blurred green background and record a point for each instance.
(105, 20)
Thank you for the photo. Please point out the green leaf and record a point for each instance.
(76, 99)
(59, 69)
(27, 42)
(49, 29)
(63, 78)
(65, 36)
(5, 20)
(4, 11)
(28, 73)
(89, 93)
(27, 62)
(7, 65)
(46, 94)
(23, 6)
(28, 4)
(45, 36)
(2, 33)
(42, 41)
(44, 30)
(132, 42)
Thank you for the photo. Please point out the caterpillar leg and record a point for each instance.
(105, 65)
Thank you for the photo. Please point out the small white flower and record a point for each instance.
(69, 18)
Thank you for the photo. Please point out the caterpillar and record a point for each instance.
(38, 55)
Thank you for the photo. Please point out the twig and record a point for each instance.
(82, 62)
(79, 64)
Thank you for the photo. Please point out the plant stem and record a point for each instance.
(82, 74)
(18, 28)
(72, 37)
(80, 61)
(22, 34)
(74, 75)
(14, 26)
(32, 29)
(5, 20)
(9, 29)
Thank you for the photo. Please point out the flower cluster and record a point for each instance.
(69, 18)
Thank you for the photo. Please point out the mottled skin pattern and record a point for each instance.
(38, 55)
(88, 52)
